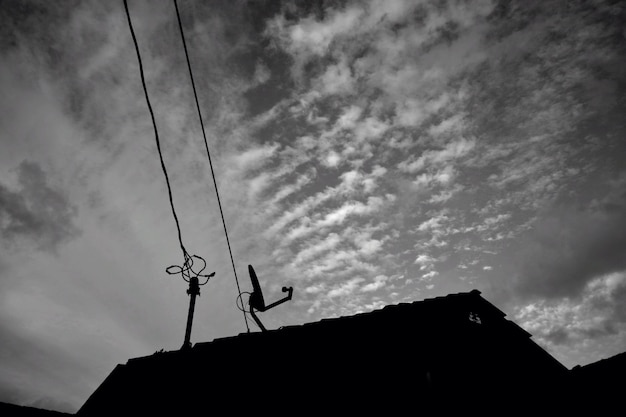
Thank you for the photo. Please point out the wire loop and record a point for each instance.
(242, 306)
(187, 271)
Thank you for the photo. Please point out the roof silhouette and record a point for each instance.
(599, 386)
(424, 353)
(7, 409)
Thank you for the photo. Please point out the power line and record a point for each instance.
(188, 273)
(208, 153)
(156, 132)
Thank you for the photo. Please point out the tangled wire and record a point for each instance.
(187, 271)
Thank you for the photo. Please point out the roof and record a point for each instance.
(444, 344)
(25, 411)
(602, 382)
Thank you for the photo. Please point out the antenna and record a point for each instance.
(194, 288)
(257, 302)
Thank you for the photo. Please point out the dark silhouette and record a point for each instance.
(448, 355)
(193, 291)
(256, 298)
(190, 275)
(599, 386)
(453, 353)
(12, 410)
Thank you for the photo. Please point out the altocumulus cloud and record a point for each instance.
(368, 152)
(482, 115)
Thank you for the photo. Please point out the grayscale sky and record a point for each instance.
(367, 153)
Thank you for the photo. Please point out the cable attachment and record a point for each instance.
(190, 275)
(188, 272)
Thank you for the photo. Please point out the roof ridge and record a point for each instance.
(360, 314)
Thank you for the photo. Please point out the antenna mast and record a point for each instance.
(193, 291)
(191, 277)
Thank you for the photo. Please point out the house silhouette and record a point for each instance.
(457, 352)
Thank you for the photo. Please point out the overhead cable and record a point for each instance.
(208, 153)
(186, 270)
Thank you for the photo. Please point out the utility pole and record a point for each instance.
(193, 291)
(191, 276)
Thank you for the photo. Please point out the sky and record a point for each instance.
(366, 152)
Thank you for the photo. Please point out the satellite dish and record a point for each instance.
(256, 298)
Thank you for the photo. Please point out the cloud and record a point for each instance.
(332, 160)
(596, 316)
(289, 189)
(446, 194)
(348, 118)
(442, 177)
(369, 246)
(35, 211)
(318, 213)
(378, 283)
(261, 73)
(438, 228)
(435, 223)
(349, 209)
(451, 151)
(337, 79)
(493, 223)
(424, 260)
(315, 289)
(333, 218)
(370, 128)
(372, 39)
(255, 157)
(569, 248)
(453, 124)
(350, 182)
(429, 275)
(309, 37)
(345, 289)
(315, 249)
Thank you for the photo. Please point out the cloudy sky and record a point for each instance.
(367, 153)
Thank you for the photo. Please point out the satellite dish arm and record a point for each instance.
(287, 298)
